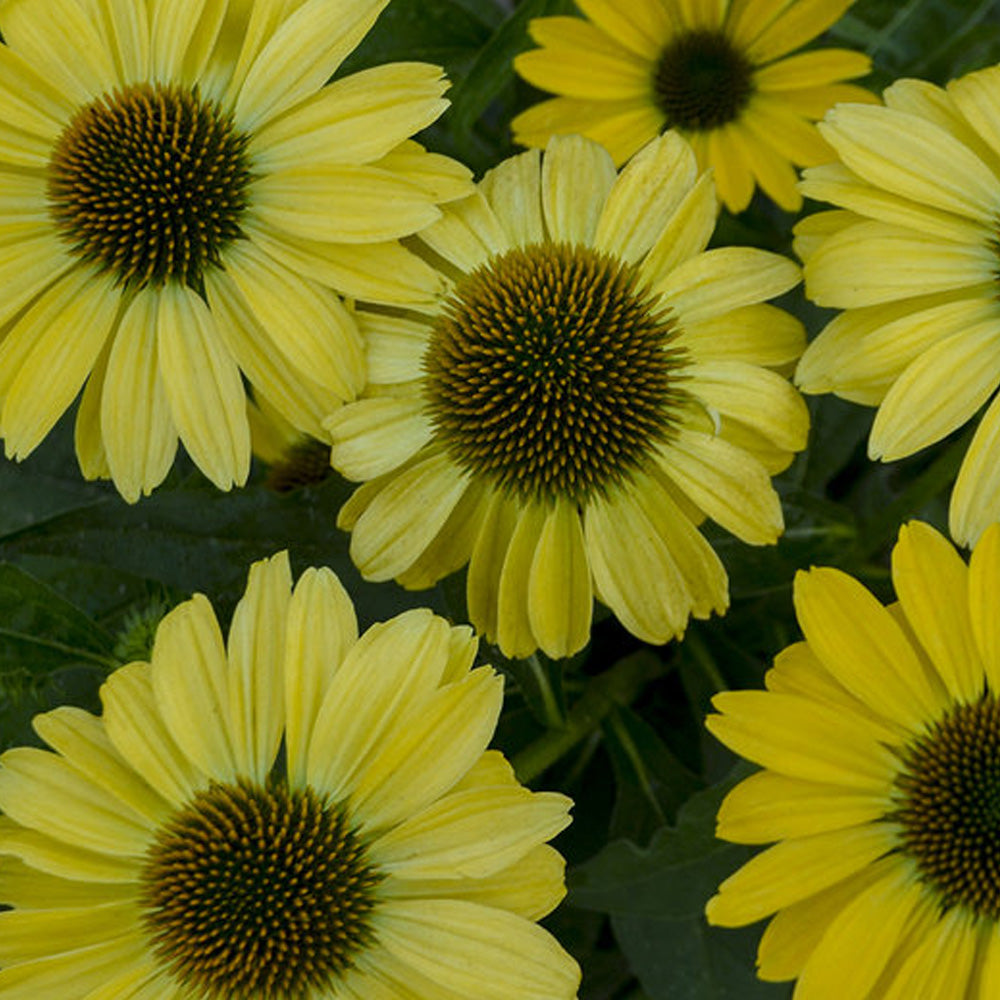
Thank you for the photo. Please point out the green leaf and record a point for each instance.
(656, 897)
(442, 32)
(493, 67)
(41, 632)
(651, 783)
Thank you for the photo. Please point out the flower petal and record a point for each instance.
(577, 178)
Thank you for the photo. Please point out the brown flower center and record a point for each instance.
(551, 372)
(150, 183)
(260, 892)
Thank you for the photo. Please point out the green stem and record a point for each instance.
(618, 686)
(550, 703)
(699, 652)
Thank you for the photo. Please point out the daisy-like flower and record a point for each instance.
(594, 385)
(719, 72)
(180, 192)
(912, 257)
(299, 814)
(293, 459)
(879, 736)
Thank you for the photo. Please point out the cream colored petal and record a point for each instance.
(753, 335)
(373, 436)
(811, 232)
(873, 345)
(426, 757)
(513, 190)
(862, 938)
(440, 177)
(321, 628)
(975, 501)
(31, 102)
(467, 234)
(136, 727)
(796, 869)
(873, 262)
(383, 679)
(341, 203)
(936, 105)
(802, 738)
(560, 596)
(26, 935)
(67, 860)
(471, 834)
(42, 791)
(82, 740)
(126, 34)
(859, 642)
(833, 182)
(27, 888)
(303, 52)
(719, 280)
(73, 973)
(138, 432)
(645, 197)
(580, 61)
(59, 40)
(183, 35)
(532, 887)
(203, 386)
(467, 949)
(63, 335)
(636, 573)
(489, 552)
(297, 398)
(354, 120)
(29, 266)
(728, 484)
(395, 347)
(767, 807)
(190, 685)
(255, 650)
(577, 179)
(685, 233)
(757, 397)
(932, 583)
(515, 633)
(405, 516)
(913, 158)
(975, 96)
(938, 392)
(984, 586)
(463, 647)
(378, 272)
(451, 548)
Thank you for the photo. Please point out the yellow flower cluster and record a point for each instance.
(550, 379)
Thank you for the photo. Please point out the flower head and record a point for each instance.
(299, 814)
(912, 258)
(592, 387)
(879, 736)
(719, 73)
(183, 193)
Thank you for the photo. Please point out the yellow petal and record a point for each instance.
(322, 627)
(256, 656)
(984, 586)
(489, 552)
(577, 178)
(68, 859)
(515, 634)
(373, 436)
(560, 597)
(975, 501)
(513, 190)
(795, 869)
(931, 581)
